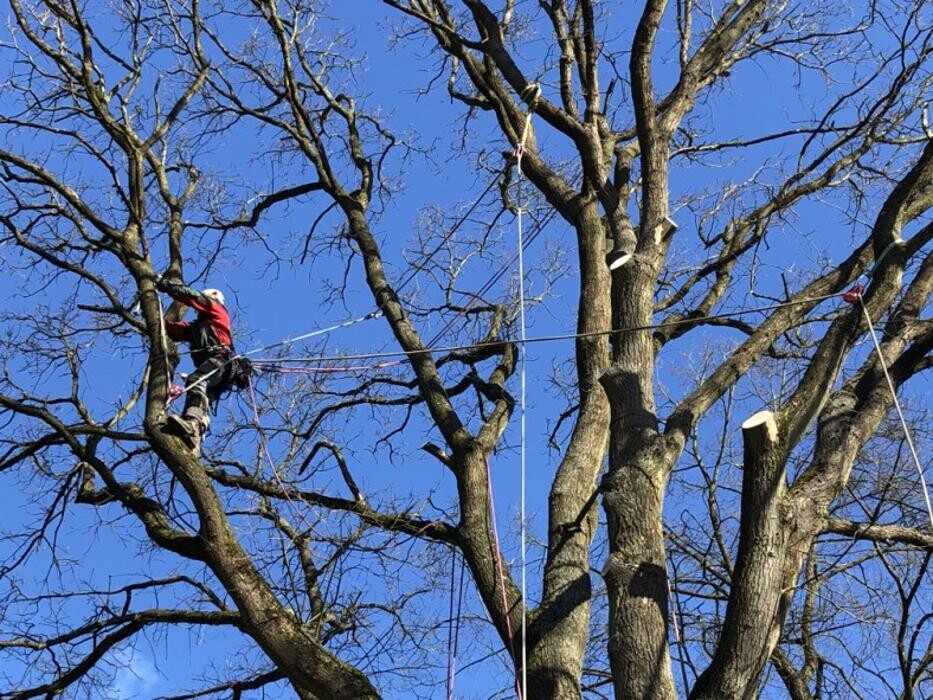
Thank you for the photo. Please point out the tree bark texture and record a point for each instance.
(313, 672)
(558, 634)
(633, 497)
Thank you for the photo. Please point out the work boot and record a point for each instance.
(187, 429)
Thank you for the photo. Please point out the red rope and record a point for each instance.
(501, 573)
(265, 449)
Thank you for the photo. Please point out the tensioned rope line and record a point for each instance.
(168, 372)
(897, 405)
(268, 455)
(416, 269)
(543, 338)
(263, 364)
(376, 313)
(500, 573)
(453, 621)
(287, 341)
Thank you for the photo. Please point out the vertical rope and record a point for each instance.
(522, 356)
(675, 613)
(897, 405)
(268, 455)
(453, 628)
(450, 626)
(500, 573)
(535, 91)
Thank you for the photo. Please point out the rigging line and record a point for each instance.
(535, 91)
(319, 331)
(521, 458)
(675, 612)
(897, 405)
(268, 455)
(162, 334)
(500, 574)
(287, 341)
(450, 625)
(454, 617)
(349, 322)
(545, 338)
(459, 614)
(495, 277)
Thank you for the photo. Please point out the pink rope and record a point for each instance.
(501, 573)
(265, 449)
(315, 369)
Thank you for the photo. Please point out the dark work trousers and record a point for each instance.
(203, 388)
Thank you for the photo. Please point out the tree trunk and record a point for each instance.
(312, 670)
(639, 465)
(558, 635)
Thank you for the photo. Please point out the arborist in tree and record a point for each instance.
(211, 342)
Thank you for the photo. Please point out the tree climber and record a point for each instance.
(211, 342)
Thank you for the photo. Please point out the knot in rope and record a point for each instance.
(530, 94)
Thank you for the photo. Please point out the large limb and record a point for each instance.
(745, 644)
(307, 97)
(761, 591)
(558, 629)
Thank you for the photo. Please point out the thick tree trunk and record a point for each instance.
(639, 465)
(313, 672)
(637, 581)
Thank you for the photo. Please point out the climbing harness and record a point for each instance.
(245, 366)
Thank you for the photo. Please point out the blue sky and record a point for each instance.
(272, 301)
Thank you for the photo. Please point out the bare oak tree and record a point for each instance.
(117, 165)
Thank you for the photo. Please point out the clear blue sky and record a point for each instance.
(270, 302)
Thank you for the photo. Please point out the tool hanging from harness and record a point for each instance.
(237, 374)
(235, 371)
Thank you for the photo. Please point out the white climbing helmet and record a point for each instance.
(216, 295)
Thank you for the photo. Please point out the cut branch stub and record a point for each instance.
(760, 426)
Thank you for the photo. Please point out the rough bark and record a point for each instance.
(633, 497)
(561, 623)
(313, 672)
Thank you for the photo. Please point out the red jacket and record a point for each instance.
(208, 331)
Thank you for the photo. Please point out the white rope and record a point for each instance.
(319, 331)
(522, 354)
(693, 320)
(897, 405)
(535, 91)
(287, 341)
